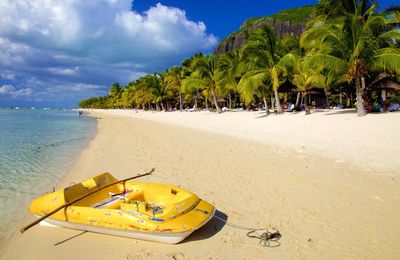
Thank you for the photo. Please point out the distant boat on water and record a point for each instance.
(46, 108)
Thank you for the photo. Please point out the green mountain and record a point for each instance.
(291, 21)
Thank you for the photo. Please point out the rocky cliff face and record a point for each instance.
(237, 39)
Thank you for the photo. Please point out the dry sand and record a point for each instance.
(329, 182)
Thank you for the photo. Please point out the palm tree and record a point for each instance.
(143, 93)
(253, 82)
(231, 70)
(265, 63)
(332, 9)
(158, 88)
(173, 78)
(306, 78)
(360, 41)
(114, 94)
(330, 80)
(205, 75)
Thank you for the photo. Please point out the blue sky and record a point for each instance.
(55, 53)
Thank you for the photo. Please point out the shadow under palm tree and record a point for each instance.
(341, 112)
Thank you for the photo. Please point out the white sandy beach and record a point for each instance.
(329, 182)
(368, 142)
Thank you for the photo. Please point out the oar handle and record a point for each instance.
(22, 230)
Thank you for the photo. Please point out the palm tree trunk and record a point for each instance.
(162, 106)
(266, 105)
(236, 99)
(360, 102)
(230, 101)
(327, 99)
(180, 102)
(272, 101)
(206, 99)
(298, 99)
(215, 100)
(279, 109)
(306, 107)
(195, 100)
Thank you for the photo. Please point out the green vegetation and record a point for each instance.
(250, 22)
(346, 46)
(296, 15)
(354, 41)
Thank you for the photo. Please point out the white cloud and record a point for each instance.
(165, 29)
(22, 92)
(64, 71)
(72, 42)
(11, 91)
(101, 29)
(6, 89)
(78, 87)
(44, 21)
(7, 75)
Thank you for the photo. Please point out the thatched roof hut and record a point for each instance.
(221, 99)
(388, 84)
(287, 87)
(198, 96)
(383, 81)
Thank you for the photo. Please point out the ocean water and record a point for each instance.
(37, 148)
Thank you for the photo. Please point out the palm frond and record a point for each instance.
(249, 83)
(387, 59)
(193, 83)
(326, 61)
(288, 62)
(391, 36)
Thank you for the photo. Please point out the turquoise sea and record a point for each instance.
(37, 148)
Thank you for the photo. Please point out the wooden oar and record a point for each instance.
(22, 230)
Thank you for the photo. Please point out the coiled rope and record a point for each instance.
(268, 237)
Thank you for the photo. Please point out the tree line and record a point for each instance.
(346, 46)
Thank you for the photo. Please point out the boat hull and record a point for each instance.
(165, 237)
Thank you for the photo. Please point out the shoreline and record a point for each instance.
(255, 184)
(67, 148)
(62, 182)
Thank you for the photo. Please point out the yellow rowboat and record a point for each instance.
(148, 211)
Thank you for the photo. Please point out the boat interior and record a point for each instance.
(151, 199)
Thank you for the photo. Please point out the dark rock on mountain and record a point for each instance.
(288, 22)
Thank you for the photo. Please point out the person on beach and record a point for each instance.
(80, 113)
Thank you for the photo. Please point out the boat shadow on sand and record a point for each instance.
(210, 229)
